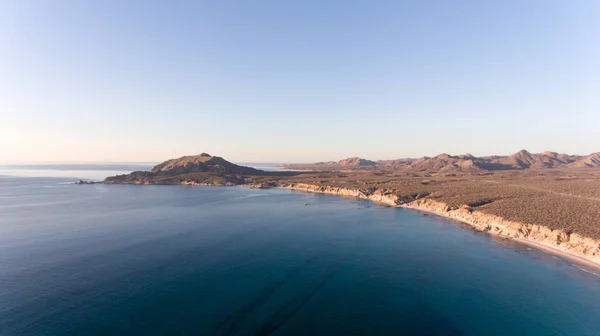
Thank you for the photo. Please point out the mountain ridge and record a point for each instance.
(444, 162)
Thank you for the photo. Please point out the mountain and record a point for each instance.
(354, 162)
(469, 163)
(523, 160)
(397, 164)
(445, 162)
(351, 162)
(207, 169)
(442, 162)
(202, 168)
(590, 161)
(200, 163)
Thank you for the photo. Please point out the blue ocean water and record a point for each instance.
(95, 172)
(170, 260)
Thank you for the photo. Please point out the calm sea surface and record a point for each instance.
(170, 260)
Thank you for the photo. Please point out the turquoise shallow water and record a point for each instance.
(169, 260)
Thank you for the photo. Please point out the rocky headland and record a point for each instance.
(548, 199)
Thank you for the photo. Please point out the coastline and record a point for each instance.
(574, 247)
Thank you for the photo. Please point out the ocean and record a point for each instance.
(172, 260)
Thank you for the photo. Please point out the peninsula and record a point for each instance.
(548, 199)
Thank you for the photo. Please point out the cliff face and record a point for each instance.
(382, 196)
(571, 243)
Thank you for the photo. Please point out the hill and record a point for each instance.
(590, 161)
(201, 163)
(442, 162)
(353, 162)
(201, 169)
(523, 160)
(348, 163)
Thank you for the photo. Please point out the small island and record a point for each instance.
(548, 199)
(85, 182)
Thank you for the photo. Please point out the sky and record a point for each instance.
(296, 81)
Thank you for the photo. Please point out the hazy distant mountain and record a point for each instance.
(442, 162)
(395, 164)
(205, 163)
(523, 159)
(590, 161)
(467, 162)
(348, 162)
(355, 162)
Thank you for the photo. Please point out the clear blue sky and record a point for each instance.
(283, 81)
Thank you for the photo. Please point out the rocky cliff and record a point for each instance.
(571, 243)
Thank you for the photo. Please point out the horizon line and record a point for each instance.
(75, 162)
